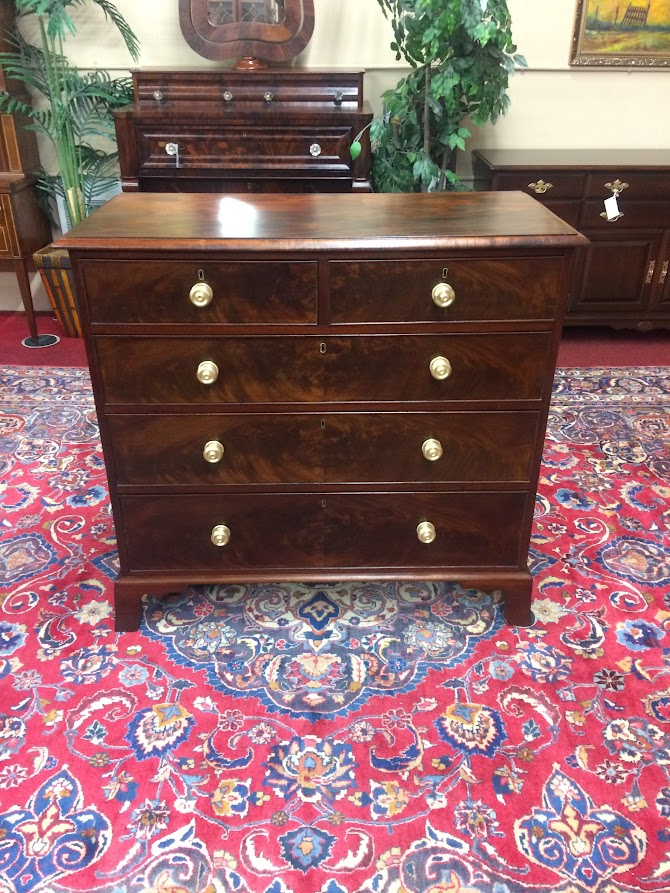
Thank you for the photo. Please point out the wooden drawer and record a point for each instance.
(299, 448)
(400, 291)
(243, 147)
(634, 214)
(642, 185)
(553, 185)
(157, 291)
(316, 530)
(297, 369)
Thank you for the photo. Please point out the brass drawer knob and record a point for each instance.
(426, 532)
(220, 535)
(540, 187)
(213, 451)
(201, 294)
(207, 372)
(443, 295)
(440, 368)
(616, 187)
(431, 449)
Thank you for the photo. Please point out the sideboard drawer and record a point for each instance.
(633, 213)
(157, 291)
(297, 369)
(632, 185)
(487, 289)
(296, 448)
(544, 185)
(315, 530)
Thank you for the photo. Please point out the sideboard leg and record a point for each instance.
(517, 599)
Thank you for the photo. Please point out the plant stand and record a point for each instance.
(54, 266)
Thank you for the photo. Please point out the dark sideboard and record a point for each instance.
(226, 130)
(622, 277)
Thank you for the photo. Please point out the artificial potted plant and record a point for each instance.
(461, 54)
(72, 110)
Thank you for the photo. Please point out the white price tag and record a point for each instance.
(611, 207)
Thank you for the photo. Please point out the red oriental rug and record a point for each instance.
(388, 738)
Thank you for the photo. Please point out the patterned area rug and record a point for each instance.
(388, 738)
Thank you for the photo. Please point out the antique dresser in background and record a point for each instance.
(322, 387)
(622, 277)
(266, 130)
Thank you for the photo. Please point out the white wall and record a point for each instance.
(553, 105)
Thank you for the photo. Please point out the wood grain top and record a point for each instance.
(575, 159)
(271, 222)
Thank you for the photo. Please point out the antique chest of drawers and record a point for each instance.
(271, 130)
(622, 276)
(322, 387)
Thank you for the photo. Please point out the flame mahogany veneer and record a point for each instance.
(333, 452)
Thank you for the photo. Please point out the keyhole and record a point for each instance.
(323, 423)
(322, 347)
(445, 272)
(201, 275)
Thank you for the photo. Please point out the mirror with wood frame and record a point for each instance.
(254, 31)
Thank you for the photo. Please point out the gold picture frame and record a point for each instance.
(621, 33)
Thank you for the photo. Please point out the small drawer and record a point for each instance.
(322, 530)
(632, 214)
(218, 372)
(242, 292)
(239, 148)
(544, 185)
(413, 290)
(302, 448)
(631, 185)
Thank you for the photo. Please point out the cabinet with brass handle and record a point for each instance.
(620, 200)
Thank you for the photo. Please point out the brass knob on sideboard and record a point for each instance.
(207, 372)
(431, 449)
(540, 187)
(220, 535)
(440, 368)
(213, 451)
(426, 532)
(443, 295)
(201, 294)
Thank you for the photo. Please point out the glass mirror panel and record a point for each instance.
(229, 12)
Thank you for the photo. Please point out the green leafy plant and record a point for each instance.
(72, 109)
(461, 54)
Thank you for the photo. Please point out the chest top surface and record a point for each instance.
(207, 222)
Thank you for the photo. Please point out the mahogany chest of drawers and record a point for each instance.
(271, 130)
(322, 387)
(622, 276)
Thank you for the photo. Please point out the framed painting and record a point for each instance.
(621, 33)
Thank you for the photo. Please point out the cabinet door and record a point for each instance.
(615, 274)
(661, 296)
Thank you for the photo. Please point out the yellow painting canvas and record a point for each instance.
(619, 32)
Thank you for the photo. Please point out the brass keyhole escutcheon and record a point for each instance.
(431, 449)
(213, 451)
(207, 372)
(220, 535)
(440, 368)
(443, 295)
(201, 294)
(426, 532)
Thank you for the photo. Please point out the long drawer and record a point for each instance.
(273, 369)
(308, 530)
(483, 289)
(164, 291)
(302, 448)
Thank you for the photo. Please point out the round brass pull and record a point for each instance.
(440, 368)
(201, 294)
(443, 295)
(426, 532)
(207, 372)
(213, 451)
(220, 535)
(431, 449)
